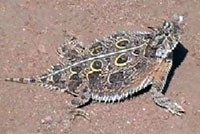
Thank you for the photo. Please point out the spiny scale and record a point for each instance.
(114, 68)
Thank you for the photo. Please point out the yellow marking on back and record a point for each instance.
(145, 50)
(87, 75)
(94, 69)
(72, 73)
(98, 47)
(50, 79)
(121, 47)
(121, 64)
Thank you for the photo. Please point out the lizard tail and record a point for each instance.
(21, 80)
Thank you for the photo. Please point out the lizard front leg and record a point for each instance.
(159, 81)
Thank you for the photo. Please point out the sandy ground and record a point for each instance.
(30, 32)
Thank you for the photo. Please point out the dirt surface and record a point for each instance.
(30, 32)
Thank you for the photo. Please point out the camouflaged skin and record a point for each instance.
(114, 68)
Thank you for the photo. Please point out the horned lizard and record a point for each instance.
(114, 68)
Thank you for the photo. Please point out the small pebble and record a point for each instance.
(46, 120)
(128, 122)
(42, 49)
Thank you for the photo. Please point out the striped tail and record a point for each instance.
(22, 80)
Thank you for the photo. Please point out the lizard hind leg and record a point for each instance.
(165, 102)
(78, 102)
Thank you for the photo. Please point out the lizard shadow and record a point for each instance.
(180, 52)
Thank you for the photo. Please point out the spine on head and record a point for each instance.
(178, 19)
